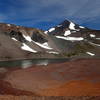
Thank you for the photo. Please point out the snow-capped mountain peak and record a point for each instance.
(66, 28)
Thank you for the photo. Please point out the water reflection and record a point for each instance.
(29, 63)
(26, 64)
(45, 62)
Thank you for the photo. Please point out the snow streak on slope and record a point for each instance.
(72, 26)
(52, 29)
(28, 38)
(14, 39)
(81, 27)
(44, 45)
(67, 33)
(27, 48)
(92, 35)
(71, 38)
(8, 25)
(90, 53)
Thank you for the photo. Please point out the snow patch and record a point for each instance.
(59, 25)
(28, 38)
(94, 44)
(44, 45)
(98, 38)
(27, 48)
(46, 32)
(71, 26)
(90, 53)
(71, 38)
(77, 29)
(92, 35)
(52, 52)
(81, 27)
(52, 29)
(8, 25)
(17, 26)
(74, 31)
(67, 33)
(14, 39)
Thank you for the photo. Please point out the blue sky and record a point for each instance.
(44, 14)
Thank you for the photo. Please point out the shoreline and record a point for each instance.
(74, 78)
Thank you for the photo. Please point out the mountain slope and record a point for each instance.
(76, 37)
(64, 40)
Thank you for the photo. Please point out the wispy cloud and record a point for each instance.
(37, 11)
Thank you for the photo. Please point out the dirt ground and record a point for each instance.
(73, 78)
(48, 98)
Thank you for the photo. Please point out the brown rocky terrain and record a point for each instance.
(62, 41)
(73, 78)
(78, 76)
(48, 98)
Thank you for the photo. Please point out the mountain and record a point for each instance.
(62, 41)
(76, 38)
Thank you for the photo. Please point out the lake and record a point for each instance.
(29, 63)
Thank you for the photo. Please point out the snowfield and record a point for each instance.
(70, 38)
